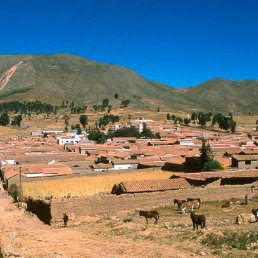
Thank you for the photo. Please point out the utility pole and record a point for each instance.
(20, 188)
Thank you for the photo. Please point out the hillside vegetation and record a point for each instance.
(54, 78)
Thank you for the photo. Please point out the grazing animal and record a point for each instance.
(194, 199)
(198, 220)
(65, 219)
(255, 213)
(149, 215)
(190, 206)
(226, 205)
(179, 203)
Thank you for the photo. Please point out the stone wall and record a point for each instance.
(92, 205)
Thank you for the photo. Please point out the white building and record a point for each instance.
(68, 140)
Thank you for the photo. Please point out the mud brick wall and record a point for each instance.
(90, 206)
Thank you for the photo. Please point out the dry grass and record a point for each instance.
(84, 186)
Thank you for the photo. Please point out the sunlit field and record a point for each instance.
(84, 186)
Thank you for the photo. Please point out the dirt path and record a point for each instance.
(8, 74)
(23, 235)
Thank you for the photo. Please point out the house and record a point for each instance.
(245, 161)
(125, 164)
(142, 186)
(173, 163)
(68, 140)
(11, 173)
(219, 178)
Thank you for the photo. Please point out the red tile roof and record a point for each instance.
(155, 185)
(245, 157)
(202, 176)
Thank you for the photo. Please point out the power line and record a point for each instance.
(87, 27)
(100, 38)
(123, 29)
(135, 29)
(106, 28)
(85, 32)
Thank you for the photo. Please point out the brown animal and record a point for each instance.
(255, 213)
(179, 203)
(198, 220)
(65, 219)
(226, 205)
(194, 199)
(189, 206)
(149, 215)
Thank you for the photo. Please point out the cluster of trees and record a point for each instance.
(25, 107)
(201, 118)
(207, 159)
(5, 120)
(178, 119)
(132, 131)
(78, 110)
(105, 105)
(224, 122)
(76, 127)
(106, 119)
(125, 103)
(83, 121)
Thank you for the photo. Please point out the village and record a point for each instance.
(56, 154)
(136, 174)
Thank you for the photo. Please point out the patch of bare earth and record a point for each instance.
(124, 234)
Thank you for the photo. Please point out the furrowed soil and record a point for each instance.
(125, 234)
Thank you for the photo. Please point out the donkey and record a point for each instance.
(149, 215)
(194, 199)
(198, 220)
(65, 219)
(179, 203)
(190, 206)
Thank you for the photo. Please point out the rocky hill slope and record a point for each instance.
(54, 78)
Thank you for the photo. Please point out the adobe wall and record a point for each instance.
(92, 205)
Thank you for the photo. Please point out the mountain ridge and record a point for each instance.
(53, 78)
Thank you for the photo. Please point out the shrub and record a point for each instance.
(212, 165)
(239, 240)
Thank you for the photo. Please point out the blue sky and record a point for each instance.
(179, 43)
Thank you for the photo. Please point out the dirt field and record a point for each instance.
(126, 235)
(84, 186)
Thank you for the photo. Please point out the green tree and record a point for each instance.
(206, 153)
(17, 121)
(202, 119)
(125, 103)
(173, 117)
(79, 130)
(4, 119)
(97, 136)
(207, 159)
(168, 117)
(83, 120)
(194, 116)
(105, 103)
(116, 96)
(187, 121)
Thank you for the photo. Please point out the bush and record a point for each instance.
(239, 240)
(14, 191)
(212, 165)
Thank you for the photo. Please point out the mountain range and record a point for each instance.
(54, 78)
